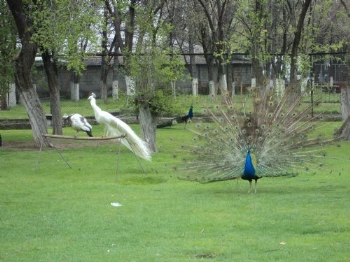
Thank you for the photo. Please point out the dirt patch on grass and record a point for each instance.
(64, 144)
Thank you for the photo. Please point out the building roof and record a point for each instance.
(199, 59)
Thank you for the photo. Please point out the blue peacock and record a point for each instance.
(273, 136)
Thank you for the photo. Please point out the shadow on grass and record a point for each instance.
(280, 186)
(146, 180)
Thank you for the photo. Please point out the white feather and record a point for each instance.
(114, 126)
(79, 123)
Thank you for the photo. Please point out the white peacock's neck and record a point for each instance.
(94, 106)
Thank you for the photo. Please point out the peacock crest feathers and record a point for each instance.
(281, 135)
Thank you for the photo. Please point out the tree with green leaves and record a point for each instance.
(155, 67)
(7, 52)
(24, 61)
(63, 32)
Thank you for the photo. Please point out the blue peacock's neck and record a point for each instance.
(249, 169)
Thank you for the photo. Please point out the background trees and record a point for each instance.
(276, 35)
(7, 52)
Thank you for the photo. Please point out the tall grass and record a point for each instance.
(50, 212)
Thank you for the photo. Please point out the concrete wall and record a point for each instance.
(90, 81)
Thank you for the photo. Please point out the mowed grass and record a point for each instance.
(50, 212)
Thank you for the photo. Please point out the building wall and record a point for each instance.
(90, 81)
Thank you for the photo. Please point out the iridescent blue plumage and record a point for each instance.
(190, 112)
(249, 170)
(187, 117)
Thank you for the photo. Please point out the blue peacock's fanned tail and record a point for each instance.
(281, 133)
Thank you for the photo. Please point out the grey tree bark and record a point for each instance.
(55, 103)
(148, 123)
(345, 91)
(23, 65)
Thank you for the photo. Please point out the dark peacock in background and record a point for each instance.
(270, 137)
(189, 115)
(185, 118)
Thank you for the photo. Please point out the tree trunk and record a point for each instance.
(148, 123)
(130, 85)
(193, 66)
(37, 119)
(211, 82)
(23, 65)
(296, 42)
(104, 64)
(345, 98)
(345, 92)
(74, 87)
(115, 83)
(55, 103)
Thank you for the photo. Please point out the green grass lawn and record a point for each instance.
(329, 104)
(50, 212)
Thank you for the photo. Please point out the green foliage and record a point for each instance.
(7, 48)
(159, 102)
(50, 212)
(154, 68)
(66, 28)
